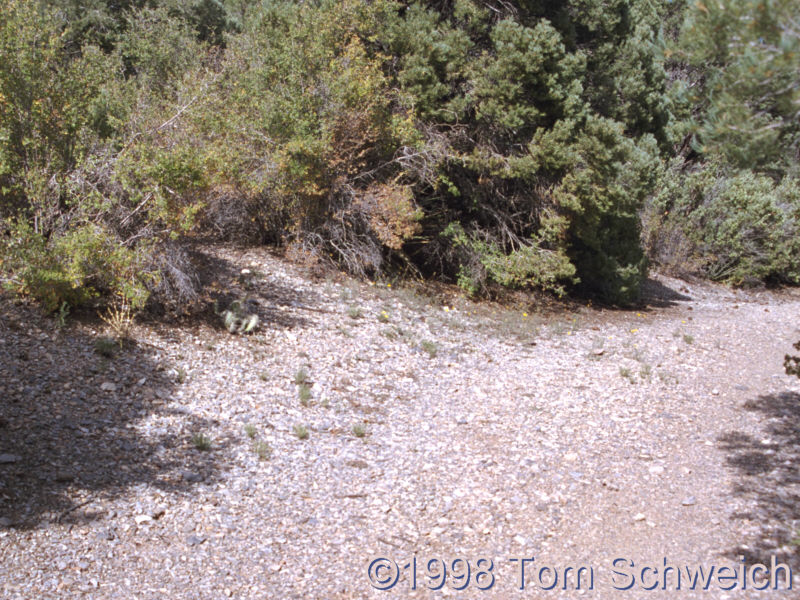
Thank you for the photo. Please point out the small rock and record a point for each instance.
(142, 519)
(598, 352)
(656, 470)
(64, 476)
(195, 540)
(690, 501)
(520, 540)
(8, 458)
(357, 464)
(107, 386)
(191, 477)
(715, 392)
(105, 535)
(639, 517)
(570, 457)
(157, 512)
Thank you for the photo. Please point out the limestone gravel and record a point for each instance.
(575, 437)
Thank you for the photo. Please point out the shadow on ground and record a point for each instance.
(77, 427)
(224, 282)
(769, 478)
(657, 295)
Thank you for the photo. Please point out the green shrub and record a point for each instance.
(737, 227)
(792, 363)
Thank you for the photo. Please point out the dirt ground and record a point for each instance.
(367, 441)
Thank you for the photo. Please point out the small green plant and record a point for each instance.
(208, 346)
(262, 449)
(304, 393)
(301, 376)
(61, 316)
(383, 317)
(201, 441)
(180, 375)
(429, 347)
(359, 431)
(236, 318)
(645, 371)
(263, 376)
(250, 430)
(354, 312)
(626, 373)
(301, 432)
(688, 338)
(105, 346)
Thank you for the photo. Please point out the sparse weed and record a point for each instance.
(627, 374)
(119, 318)
(180, 375)
(61, 316)
(354, 312)
(105, 346)
(301, 376)
(201, 441)
(359, 431)
(429, 347)
(645, 371)
(263, 376)
(689, 339)
(250, 430)
(262, 449)
(301, 431)
(304, 392)
(383, 317)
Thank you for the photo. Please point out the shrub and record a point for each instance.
(737, 227)
(792, 363)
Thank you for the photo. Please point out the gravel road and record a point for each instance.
(432, 440)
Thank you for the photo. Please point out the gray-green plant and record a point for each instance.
(301, 431)
(201, 441)
(236, 318)
(430, 347)
(262, 449)
(304, 393)
(301, 376)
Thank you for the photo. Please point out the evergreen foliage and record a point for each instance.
(497, 146)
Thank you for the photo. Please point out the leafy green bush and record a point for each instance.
(739, 228)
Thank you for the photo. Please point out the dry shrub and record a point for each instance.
(176, 289)
(391, 213)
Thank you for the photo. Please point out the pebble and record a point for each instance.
(195, 540)
(690, 501)
(191, 476)
(8, 458)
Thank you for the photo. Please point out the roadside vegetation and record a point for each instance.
(559, 146)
